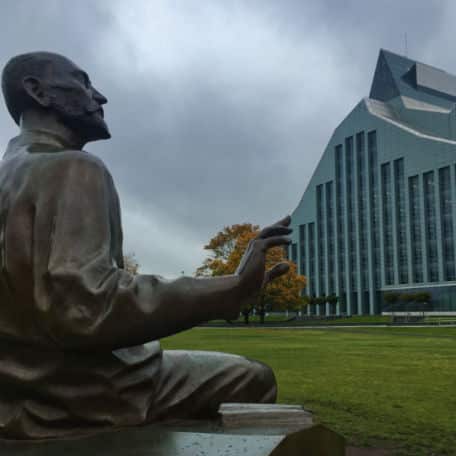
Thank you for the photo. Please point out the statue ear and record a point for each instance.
(34, 88)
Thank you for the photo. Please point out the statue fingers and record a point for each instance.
(276, 271)
(276, 241)
(284, 222)
(274, 230)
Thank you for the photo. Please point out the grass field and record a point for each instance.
(382, 387)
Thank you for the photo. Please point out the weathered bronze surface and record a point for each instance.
(79, 335)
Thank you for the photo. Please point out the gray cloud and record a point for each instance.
(219, 110)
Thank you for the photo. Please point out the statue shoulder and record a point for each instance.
(80, 157)
(80, 161)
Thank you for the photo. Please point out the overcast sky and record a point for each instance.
(219, 110)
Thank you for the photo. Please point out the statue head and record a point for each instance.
(53, 85)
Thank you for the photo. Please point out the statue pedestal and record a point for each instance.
(242, 430)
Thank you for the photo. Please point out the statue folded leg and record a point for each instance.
(138, 385)
(176, 384)
(192, 384)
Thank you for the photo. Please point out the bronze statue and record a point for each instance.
(79, 346)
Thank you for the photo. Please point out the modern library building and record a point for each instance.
(379, 213)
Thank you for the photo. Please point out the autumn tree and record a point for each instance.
(226, 250)
(131, 264)
(283, 293)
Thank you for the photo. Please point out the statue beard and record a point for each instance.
(85, 121)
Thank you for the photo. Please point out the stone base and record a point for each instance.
(243, 430)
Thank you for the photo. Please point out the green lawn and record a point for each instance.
(387, 387)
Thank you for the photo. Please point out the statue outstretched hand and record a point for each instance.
(252, 268)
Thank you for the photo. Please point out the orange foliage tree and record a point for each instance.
(227, 248)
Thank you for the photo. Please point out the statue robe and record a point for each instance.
(79, 346)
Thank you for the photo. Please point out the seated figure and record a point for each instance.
(79, 347)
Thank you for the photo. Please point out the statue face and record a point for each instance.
(76, 101)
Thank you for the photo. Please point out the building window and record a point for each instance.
(294, 253)
(321, 240)
(302, 248)
(350, 211)
(362, 210)
(374, 206)
(415, 229)
(330, 247)
(446, 219)
(340, 216)
(401, 228)
(311, 236)
(387, 212)
(430, 226)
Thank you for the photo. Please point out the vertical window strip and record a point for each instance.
(401, 229)
(387, 223)
(446, 216)
(302, 248)
(350, 211)
(362, 210)
(415, 229)
(340, 216)
(430, 226)
(320, 240)
(374, 199)
(330, 237)
(311, 227)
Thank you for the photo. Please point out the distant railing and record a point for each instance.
(323, 317)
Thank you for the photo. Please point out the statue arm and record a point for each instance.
(86, 302)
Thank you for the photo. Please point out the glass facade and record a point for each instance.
(379, 228)
(387, 213)
(350, 199)
(294, 253)
(330, 244)
(430, 225)
(446, 223)
(302, 249)
(401, 220)
(374, 206)
(340, 211)
(443, 299)
(321, 241)
(415, 229)
(311, 236)
(362, 210)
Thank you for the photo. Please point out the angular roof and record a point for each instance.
(387, 113)
(396, 75)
